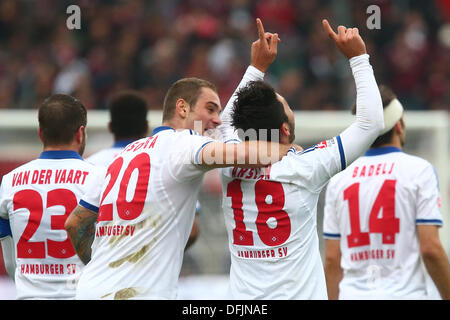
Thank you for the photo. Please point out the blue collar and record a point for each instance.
(60, 154)
(122, 143)
(162, 128)
(380, 151)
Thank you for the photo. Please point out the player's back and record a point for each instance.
(37, 197)
(374, 207)
(145, 217)
(270, 215)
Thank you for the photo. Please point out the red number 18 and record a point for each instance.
(266, 209)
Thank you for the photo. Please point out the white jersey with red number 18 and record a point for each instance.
(37, 197)
(145, 209)
(270, 215)
(374, 207)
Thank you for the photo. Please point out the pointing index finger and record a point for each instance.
(328, 29)
(260, 30)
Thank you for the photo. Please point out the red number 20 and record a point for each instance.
(32, 201)
(388, 225)
(127, 210)
(273, 209)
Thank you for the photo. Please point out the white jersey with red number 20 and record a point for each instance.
(145, 209)
(270, 215)
(373, 207)
(37, 198)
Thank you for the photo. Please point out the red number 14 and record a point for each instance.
(388, 225)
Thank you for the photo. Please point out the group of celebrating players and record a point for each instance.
(117, 229)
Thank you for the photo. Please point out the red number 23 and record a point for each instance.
(32, 201)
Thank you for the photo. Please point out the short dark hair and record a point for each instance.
(60, 116)
(387, 95)
(128, 112)
(187, 89)
(257, 107)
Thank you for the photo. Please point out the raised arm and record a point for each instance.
(263, 53)
(357, 138)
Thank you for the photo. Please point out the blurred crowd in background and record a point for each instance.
(147, 45)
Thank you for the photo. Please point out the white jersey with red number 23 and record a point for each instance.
(145, 209)
(373, 207)
(37, 198)
(270, 215)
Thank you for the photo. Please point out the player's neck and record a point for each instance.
(62, 147)
(174, 124)
(284, 139)
(394, 143)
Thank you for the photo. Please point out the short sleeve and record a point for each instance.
(185, 159)
(198, 208)
(330, 218)
(5, 228)
(91, 198)
(427, 197)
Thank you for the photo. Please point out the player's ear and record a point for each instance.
(398, 128)
(182, 108)
(80, 135)
(285, 129)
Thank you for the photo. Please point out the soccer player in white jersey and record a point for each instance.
(128, 123)
(145, 206)
(381, 221)
(37, 197)
(270, 213)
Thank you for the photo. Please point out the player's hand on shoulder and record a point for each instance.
(264, 50)
(296, 147)
(347, 40)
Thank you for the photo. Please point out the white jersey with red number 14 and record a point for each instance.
(270, 215)
(373, 207)
(37, 198)
(145, 209)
